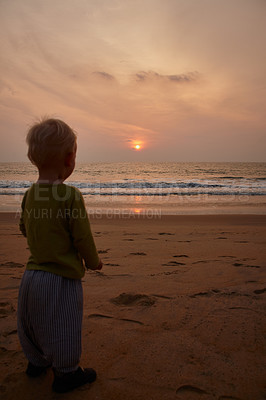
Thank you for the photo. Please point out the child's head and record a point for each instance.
(50, 140)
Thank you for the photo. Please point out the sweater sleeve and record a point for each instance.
(81, 232)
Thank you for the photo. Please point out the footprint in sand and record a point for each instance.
(166, 233)
(11, 264)
(99, 316)
(138, 254)
(112, 265)
(170, 273)
(13, 332)
(172, 263)
(204, 261)
(129, 299)
(246, 266)
(181, 255)
(167, 273)
(260, 291)
(207, 294)
(227, 256)
(98, 234)
(6, 309)
(190, 388)
(103, 251)
(161, 296)
(99, 274)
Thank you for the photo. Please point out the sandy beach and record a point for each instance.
(178, 311)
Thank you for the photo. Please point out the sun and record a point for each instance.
(137, 144)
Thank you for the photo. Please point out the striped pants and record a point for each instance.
(50, 309)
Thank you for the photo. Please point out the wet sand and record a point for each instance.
(178, 312)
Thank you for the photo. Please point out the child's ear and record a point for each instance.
(69, 159)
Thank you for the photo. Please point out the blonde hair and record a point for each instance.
(48, 140)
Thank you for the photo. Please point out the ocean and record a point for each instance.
(152, 189)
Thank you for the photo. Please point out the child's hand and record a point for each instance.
(100, 265)
(98, 268)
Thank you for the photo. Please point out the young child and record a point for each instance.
(55, 222)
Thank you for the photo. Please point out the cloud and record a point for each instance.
(189, 77)
(143, 76)
(6, 87)
(104, 75)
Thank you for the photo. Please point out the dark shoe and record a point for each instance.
(73, 380)
(34, 371)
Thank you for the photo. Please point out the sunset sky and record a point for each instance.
(183, 79)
